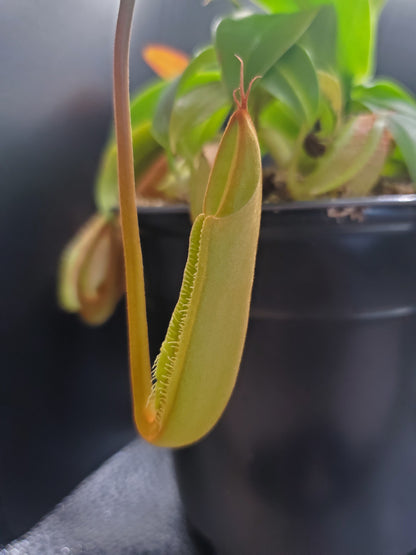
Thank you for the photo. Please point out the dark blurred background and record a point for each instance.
(64, 392)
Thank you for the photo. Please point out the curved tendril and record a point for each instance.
(244, 95)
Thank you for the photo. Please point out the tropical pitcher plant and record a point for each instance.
(316, 125)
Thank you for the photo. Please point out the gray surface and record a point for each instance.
(129, 506)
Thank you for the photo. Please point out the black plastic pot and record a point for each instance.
(316, 452)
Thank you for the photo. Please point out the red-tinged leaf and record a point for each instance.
(166, 62)
(91, 274)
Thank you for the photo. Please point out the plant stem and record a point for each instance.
(136, 301)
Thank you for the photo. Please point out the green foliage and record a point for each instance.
(196, 118)
(294, 82)
(320, 39)
(356, 21)
(260, 40)
(399, 109)
(315, 58)
(347, 158)
(192, 108)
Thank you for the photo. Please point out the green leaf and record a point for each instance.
(260, 40)
(278, 145)
(276, 116)
(356, 45)
(320, 39)
(348, 156)
(161, 121)
(331, 89)
(145, 149)
(365, 179)
(399, 108)
(357, 22)
(384, 94)
(403, 130)
(197, 117)
(202, 69)
(205, 61)
(293, 81)
(280, 6)
(143, 104)
(278, 131)
(195, 107)
(395, 166)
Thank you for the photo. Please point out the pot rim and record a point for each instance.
(296, 206)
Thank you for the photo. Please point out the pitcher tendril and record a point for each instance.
(244, 95)
(181, 398)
